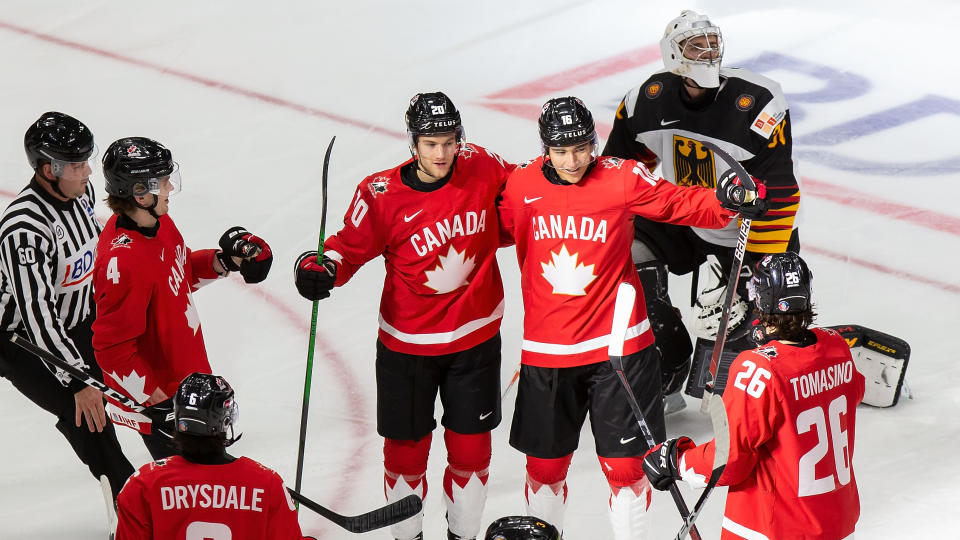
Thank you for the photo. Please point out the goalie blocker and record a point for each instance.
(881, 358)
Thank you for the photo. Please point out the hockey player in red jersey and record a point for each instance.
(434, 220)
(662, 121)
(203, 493)
(147, 334)
(569, 212)
(791, 407)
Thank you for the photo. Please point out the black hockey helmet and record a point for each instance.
(204, 406)
(566, 121)
(521, 528)
(781, 284)
(134, 166)
(58, 138)
(432, 113)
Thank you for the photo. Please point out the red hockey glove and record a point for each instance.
(254, 251)
(661, 463)
(750, 203)
(314, 280)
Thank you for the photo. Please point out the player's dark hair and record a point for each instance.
(199, 449)
(121, 205)
(789, 326)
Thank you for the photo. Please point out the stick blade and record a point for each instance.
(626, 297)
(391, 514)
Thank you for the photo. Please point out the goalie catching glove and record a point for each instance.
(733, 195)
(252, 251)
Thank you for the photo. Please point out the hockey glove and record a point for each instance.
(255, 254)
(661, 463)
(750, 203)
(314, 280)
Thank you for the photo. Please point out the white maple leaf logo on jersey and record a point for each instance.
(193, 318)
(566, 275)
(133, 384)
(451, 272)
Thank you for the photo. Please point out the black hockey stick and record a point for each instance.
(160, 415)
(307, 379)
(626, 297)
(396, 512)
(732, 279)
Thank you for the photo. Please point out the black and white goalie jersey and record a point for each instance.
(47, 249)
(747, 116)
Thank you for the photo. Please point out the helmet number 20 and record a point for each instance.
(837, 440)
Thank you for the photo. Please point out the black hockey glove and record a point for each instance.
(750, 203)
(661, 463)
(255, 252)
(314, 280)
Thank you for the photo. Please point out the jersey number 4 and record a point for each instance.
(113, 274)
(835, 438)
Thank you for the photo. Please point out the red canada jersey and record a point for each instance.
(147, 331)
(792, 414)
(174, 499)
(573, 245)
(442, 292)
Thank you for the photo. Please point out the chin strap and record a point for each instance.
(150, 209)
(54, 184)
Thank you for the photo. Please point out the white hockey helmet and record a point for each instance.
(697, 59)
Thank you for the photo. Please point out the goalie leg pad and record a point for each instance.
(881, 359)
(669, 332)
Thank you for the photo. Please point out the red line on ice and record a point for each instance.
(212, 83)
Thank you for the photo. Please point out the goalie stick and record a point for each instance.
(384, 516)
(732, 279)
(381, 517)
(159, 416)
(626, 297)
(313, 325)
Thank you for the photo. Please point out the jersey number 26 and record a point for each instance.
(833, 439)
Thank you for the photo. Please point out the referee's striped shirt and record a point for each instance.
(47, 249)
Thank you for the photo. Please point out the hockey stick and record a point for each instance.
(159, 415)
(381, 517)
(510, 385)
(313, 325)
(721, 452)
(384, 516)
(626, 297)
(733, 278)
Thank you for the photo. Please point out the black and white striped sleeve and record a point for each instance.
(29, 262)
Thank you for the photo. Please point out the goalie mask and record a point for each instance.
(692, 47)
(204, 406)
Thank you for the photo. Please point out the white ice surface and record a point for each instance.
(247, 94)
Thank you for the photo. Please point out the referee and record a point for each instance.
(48, 239)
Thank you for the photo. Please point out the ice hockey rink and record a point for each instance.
(247, 95)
